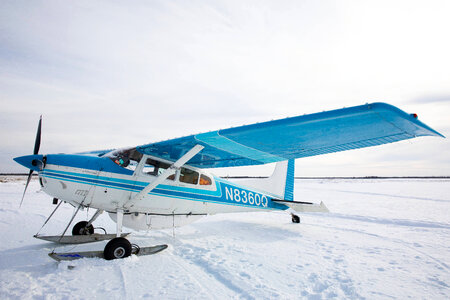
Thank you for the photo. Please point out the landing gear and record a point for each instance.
(82, 228)
(295, 218)
(118, 247)
(83, 232)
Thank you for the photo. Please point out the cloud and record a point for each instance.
(110, 74)
(432, 99)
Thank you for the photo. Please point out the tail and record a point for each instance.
(280, 183)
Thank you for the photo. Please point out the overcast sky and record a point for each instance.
(108, 74)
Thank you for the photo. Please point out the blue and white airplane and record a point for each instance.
(166, 184)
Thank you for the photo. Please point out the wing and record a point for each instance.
(308, 135)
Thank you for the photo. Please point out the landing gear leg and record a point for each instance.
(295, 218)
(118, 247)
(70, 222)
(95, 216)
(119, 222)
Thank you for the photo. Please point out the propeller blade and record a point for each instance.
(37, 143)
(26, 186)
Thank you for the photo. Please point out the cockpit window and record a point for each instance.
(188, 176)
(129, 158)
(126, 158)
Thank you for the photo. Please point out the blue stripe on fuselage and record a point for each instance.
(162, 189)
(135, 186)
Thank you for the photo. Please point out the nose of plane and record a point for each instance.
(32, 162)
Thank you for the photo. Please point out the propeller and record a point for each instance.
(37, 145)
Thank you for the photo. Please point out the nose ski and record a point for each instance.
(78, 239)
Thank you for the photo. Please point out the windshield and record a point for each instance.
(126, 157)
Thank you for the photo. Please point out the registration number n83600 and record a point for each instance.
(245, 197)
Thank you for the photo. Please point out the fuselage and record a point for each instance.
(99, 182)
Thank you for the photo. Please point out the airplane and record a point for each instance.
(167, 184)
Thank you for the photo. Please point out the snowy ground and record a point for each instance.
(383, 239)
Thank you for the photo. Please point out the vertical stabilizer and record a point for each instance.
(280, 183)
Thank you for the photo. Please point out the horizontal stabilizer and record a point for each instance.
(303, 206)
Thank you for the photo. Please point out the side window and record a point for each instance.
(155, 168)
(188, 176)
(205, 180)
(150, 168)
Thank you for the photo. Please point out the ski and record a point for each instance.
(99, 254)
(78, 239)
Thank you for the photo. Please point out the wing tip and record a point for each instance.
(426, 130)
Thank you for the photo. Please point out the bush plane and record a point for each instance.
(167, 184)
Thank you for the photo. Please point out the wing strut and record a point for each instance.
(164, 175)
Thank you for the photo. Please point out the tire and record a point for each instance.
(81, 229)
(295, 219)
(117, 248)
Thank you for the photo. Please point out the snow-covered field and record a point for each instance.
(383, 239)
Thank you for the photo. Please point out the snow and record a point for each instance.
(383, 239)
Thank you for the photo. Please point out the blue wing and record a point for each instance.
(308, 135)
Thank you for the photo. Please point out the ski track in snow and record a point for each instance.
(385, 195)
(192, 257)
(394, 240)
(384, 239)
(209, 279)
(124, 283)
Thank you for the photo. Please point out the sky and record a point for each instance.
(109, 74)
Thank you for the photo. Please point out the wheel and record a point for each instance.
(81, 229)
(295, 219)
(117, 248)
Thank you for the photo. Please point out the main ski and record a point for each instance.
(90, 254)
